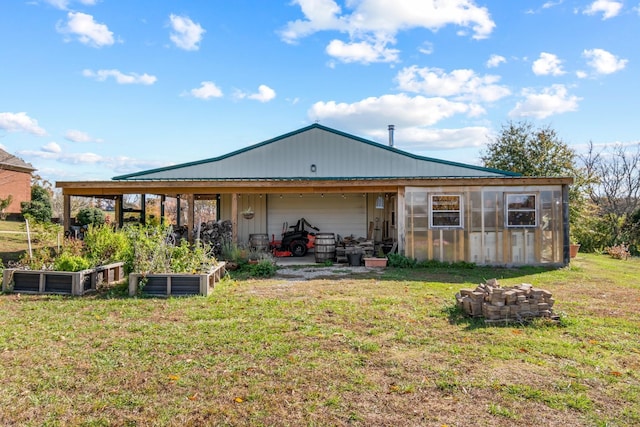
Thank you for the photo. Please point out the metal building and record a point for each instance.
(431, 209)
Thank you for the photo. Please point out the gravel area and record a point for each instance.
(312, 272)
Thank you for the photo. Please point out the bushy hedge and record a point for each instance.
(90, 216)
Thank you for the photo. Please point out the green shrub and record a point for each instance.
(39, 208)
(69, 262)
(264, 268)
(90, 216)
(400, 261)
(150, 251)
(104, 245)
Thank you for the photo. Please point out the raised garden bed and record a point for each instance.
(61, 282)
(175, 284)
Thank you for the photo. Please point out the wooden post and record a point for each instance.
(119, 213)
(163, 199)
(565, 225)
(234, 217)
(143, 209)
(400, 221)
(178, 211)
(66, 212)
(190, 216)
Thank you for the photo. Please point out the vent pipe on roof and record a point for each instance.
(391, 128)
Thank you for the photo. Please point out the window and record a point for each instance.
(446, 211)
(521, 210)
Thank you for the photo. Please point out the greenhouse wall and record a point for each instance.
(510, 225)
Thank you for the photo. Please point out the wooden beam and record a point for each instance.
(269, 186)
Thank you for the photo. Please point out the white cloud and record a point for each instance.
(207, 90)
(186, 33)
(603, 62)
(608, 8)
(371, 25)
(320, 15)
(79, 136)
(552, 100)
(551, 4)
(265, 94)
(461, 84)
(52, 147)
(119, 164)
(399, 109)
(547, 64)
(16, 122)
(364, 52)
(426, 48)
(86, 29)
(121, 78)
(64, 4)
(49, 152)
(495, 60)
(385, 17)
(420, 139)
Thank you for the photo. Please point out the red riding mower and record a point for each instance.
(295, 242)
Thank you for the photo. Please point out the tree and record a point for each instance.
(4, 204)
(40, 205)
(615, 190)
(540, 152)
(531, 152)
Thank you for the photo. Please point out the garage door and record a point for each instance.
(331, 213)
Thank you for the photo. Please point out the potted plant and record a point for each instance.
(573, 249)
(380, 260)
(248, 213)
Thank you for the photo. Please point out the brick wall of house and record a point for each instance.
(16, 184)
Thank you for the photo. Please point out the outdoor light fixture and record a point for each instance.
(379, 203)
(313, 168)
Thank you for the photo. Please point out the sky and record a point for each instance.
(92, 89)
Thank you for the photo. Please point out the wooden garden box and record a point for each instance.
(176, 284)
(60, 282)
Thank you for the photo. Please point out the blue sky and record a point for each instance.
(91, 89)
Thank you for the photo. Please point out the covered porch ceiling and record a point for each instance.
(173, 188)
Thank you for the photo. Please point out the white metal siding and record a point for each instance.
(331, 214)
(334, 156)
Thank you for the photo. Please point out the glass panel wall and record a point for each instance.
(485, 225)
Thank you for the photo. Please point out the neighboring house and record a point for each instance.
(343, 184)
(15, 181)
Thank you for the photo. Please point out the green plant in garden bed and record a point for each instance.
(69, 262)
(151, 251)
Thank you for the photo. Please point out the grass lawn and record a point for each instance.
(385, 350)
